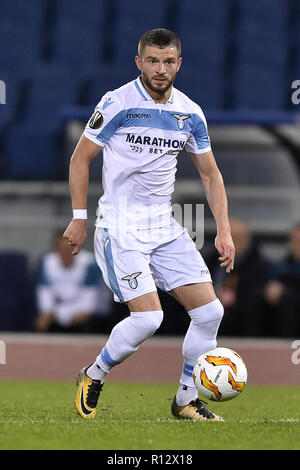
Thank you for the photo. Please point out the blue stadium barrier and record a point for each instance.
(237, 117)
(295, 69)
(17, 306)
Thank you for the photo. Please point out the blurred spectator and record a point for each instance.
(241, 290)
(282, 293)
(71, 294)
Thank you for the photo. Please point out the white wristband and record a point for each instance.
(79, 214)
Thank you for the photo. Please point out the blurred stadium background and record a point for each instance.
(58, 57)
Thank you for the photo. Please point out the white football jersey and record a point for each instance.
(141, 140)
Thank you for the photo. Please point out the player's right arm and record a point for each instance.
(99, 129)
(83, 154)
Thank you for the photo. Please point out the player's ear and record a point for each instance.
(138, 62)
(179, 63)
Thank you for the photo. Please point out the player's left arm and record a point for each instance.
(213, 184)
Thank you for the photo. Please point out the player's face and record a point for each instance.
(159, 67)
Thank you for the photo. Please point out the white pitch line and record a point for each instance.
(67, 422)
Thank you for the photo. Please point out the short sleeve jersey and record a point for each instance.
(141, 140)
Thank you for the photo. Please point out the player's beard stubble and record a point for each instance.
(160, 90)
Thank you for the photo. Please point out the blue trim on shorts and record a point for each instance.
(110, 265)
(188, 370)
(106, 358)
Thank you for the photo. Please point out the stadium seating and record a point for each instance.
(20, 46)
(261, 46)
(201, 85)
(105, 77)
(10, 111)
(132, 21)
(237, 54)
(32, 145)
(76, 44)
(33, 153)
(294, 27)
(273, 11)
(194, 16)
(52, 86)
(23, 12)
(204, 49)
(88, 12)
(12, 86)
(265, 90)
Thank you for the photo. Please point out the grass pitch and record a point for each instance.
(42, 415)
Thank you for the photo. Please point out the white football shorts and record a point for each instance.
(136, 261)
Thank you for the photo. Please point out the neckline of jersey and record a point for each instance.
(146, 96)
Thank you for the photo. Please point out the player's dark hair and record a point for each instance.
(159, 38)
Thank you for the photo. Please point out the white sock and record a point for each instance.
(95, 372)
(125, 339)
(200, 337)
(185, 395)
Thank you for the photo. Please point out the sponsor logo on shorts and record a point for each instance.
(132, 279)
(204, 271)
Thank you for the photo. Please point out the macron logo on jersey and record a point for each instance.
(138, 116)
(107, 102)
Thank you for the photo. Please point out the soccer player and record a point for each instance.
(141, 127)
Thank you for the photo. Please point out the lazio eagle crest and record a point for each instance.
(132, 279)
(180, 119)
